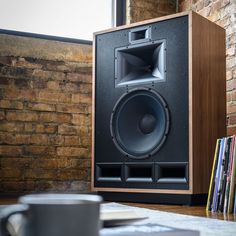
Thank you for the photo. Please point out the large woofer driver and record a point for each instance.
(139, 123)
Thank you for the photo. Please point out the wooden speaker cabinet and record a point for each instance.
(159, 104)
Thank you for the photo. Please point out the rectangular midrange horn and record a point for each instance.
(172, 172)
(139, 172)
(140, 64)
(109, 172)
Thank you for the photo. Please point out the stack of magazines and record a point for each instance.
(222, 196)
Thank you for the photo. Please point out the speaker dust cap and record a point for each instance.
(139, 123)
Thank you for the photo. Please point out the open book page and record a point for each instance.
(146, 230)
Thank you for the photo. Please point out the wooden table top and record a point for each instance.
(186, 210)
(181, 209)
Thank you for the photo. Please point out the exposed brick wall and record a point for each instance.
(45, 115)
(222, 12)
(138, 10)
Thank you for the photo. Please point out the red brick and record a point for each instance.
(234, 73)
(199, 5)
(81, 186)
(50, 96)
(85, 88)
(6, 60)
(41, 74)
(71, 87)
(2, 115)
(21, 116)
(81, 119)
(22, 83)
(205, 11)
(29, 127)
(229, 75)
(11, 126)
(11, 104)
(72, 140)
(216, 6)
(80, 163)
(232, 120)
(22, 62)
(45, 163)
(39, 84)
(30, 186)
(9, 138)
(230, 84)
(69, 129)
(11, 172)
(55, 117)
(233, 96)
(86, 141)
(16, 162)
(231, 108)
(82, 98)
(34, 150)
(25, 95)
(39, 139)
(10, 150)
(185, 5)
(79, 77)
(229, 97)
(81, 174)
(231, 130)
(38, 174)
(56, 140)
(46, 75)
(58, 66)
(73, 108)
(53, 85)
(48, 128)
(41, 107)
(224, 3)
(214, 16)
(4, 81)
(72, 151)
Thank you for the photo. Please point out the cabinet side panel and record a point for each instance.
(208, 97)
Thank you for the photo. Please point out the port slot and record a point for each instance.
(139, 172)
(109, 172)
(172, 172)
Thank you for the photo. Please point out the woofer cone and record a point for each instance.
(139, 123)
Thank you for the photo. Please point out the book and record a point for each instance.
(232, 184)
(235, 202)
(212, 181)
(224, 174)
(111, 218)
(214, 207)
(229, 171)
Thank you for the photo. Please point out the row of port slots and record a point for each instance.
(143, 172)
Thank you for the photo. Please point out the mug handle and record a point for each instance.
(7, 212)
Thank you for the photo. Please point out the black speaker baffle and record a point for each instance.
(140, 123)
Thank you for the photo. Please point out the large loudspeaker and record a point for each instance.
(158, 108)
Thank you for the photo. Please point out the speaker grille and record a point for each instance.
(139, 123)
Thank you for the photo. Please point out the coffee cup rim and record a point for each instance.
(59, 199)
